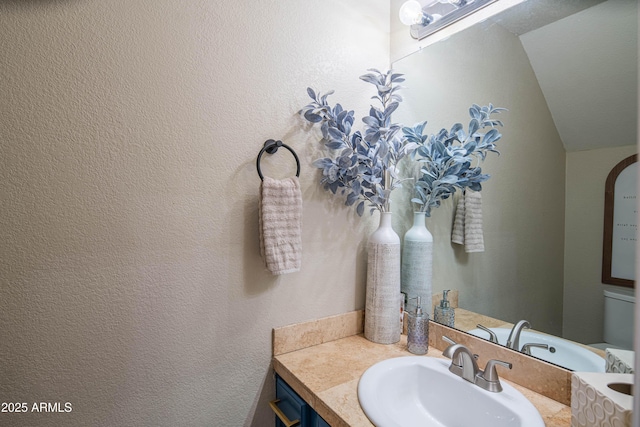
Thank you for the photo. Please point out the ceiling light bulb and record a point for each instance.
(410, 13)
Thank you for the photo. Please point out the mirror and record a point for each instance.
(567, 73)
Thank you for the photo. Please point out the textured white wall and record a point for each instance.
(131, 281)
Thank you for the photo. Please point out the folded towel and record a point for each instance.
(467, 226)
(280, 222)
(457, 235)
(473, 238)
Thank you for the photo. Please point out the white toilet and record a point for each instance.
(619, 305)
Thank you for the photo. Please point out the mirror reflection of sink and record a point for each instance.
(420, 391)
(564, 353)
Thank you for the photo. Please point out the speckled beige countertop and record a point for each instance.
(323, 361)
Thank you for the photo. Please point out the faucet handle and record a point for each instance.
(448, 352)
(492, 335)
(488, 379)
(490, 374)
(526, 349)
(449, 340)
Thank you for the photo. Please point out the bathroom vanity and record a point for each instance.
(291, 409)
(322, 362)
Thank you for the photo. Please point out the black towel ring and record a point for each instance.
(271, 146)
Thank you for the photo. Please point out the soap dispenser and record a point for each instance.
(444, 313)
(417, 330)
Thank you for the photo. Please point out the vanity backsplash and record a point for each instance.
(539, 376)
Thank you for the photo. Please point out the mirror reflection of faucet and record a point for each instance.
(513, 342)
(526, 349)
(492, 335)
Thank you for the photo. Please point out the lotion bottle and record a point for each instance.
(417, 330)
(444, 313)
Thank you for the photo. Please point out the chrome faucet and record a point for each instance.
(463, 364)
(513, 341)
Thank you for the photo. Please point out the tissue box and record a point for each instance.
(620, 361)
(595, 401)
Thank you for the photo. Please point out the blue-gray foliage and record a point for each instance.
(447, 157)
(356, 162)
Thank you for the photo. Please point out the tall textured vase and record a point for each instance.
(417, 262)
(382, 309)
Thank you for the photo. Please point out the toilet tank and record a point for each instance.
(619, 305)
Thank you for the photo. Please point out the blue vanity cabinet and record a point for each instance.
(319, 422)
(289, 408)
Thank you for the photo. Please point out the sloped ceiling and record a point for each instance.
(586, 65)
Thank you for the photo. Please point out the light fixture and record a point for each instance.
(411, 14)
(425, 19)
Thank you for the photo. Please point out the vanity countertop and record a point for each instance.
(325, 372)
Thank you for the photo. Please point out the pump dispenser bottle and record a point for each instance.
(444, 314)
(417, 330)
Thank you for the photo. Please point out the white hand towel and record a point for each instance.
(473, 237)
(467, 225)
(280, 216)
(457, 235)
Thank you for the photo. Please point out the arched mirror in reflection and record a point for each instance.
(567, 73)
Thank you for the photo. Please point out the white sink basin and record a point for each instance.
(566, 353)
(420, 391)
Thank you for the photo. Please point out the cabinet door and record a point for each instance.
(318, 421)
(291, 406)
